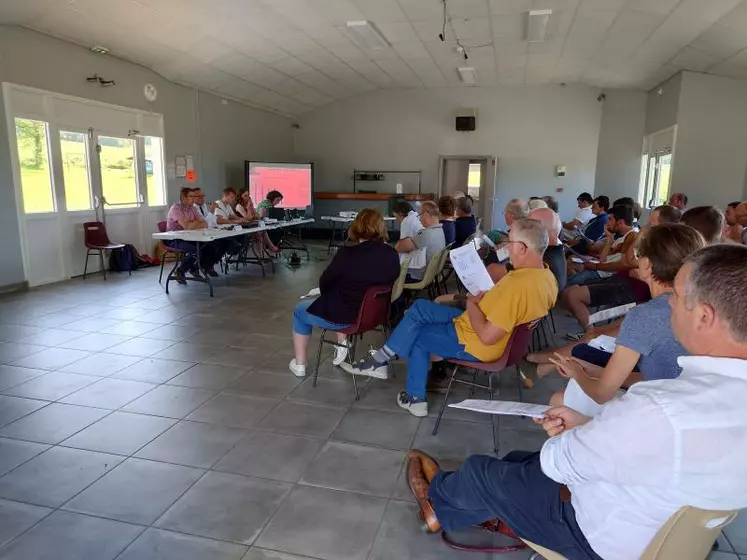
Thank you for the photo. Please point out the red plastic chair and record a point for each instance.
(97, 241)
(167, 251)
(373, 313)
(516, 349)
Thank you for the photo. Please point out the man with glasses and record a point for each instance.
(184, 215)
(481, 333)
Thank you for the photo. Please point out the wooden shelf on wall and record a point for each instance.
(371, 196)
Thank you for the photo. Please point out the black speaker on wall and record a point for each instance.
(465, 124)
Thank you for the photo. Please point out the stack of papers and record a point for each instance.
(603, 342)
(611, 313)
(505, 408)
(469, 267)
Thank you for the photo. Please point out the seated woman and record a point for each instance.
(245, 209)
(364, 261)
(272, 199)
(645, 343)
(446, 211)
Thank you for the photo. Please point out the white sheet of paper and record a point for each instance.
(471, 271)
(313, 292)
(417, 259)
(603, 342)
(505, 408)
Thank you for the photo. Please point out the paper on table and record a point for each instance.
(506, 408)
(603, 342)
(471, 271)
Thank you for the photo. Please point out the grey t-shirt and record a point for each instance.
(432, 238)
(647, 329)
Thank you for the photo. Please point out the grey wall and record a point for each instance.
(222, 138)
(530, 129)
(620, 144)
(711, 148)
(662, 109)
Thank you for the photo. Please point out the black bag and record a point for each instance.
(124, 260)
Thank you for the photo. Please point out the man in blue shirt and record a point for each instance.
(595, 228)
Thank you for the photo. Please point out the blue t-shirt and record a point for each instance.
(647, 329)
(449, 231)
(464, 226)
(595, 228)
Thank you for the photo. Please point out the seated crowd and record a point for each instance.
(677, 374)
(192, 213)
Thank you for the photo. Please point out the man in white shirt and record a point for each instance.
(204, 209)
(584, 212)
(407, 218)
(603, 486)
(224, 212)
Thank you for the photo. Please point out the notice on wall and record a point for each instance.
(180, 163)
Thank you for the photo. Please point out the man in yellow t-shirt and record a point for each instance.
(480, 333)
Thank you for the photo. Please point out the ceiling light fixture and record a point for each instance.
(98, 49)
(537, 23)
(467, 75)
(367, 35)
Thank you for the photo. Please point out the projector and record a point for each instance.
(348, 214)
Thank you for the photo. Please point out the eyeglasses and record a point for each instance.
(525, 245)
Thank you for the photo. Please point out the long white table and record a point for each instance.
(342, 222)
(209, 235)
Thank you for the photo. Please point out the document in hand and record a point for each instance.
(611, 313)
(505, 408)
(471, 271)
(603, 342)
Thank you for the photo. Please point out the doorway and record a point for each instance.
(471, 175)
(77, 161)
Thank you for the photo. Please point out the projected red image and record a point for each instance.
(294, 183)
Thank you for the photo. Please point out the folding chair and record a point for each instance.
(373, 313)
(97, 241)
(516, 349)
(689, 533)
(432, 269)
(178, 255)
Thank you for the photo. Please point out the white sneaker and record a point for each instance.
(341, 352)
(416, 408)
(367, 367)
(299, 370)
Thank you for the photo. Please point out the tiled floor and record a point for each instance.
(138, 425)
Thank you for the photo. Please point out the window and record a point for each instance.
(74, 149)
(474, 180)
(154, 173)
(118, 177)
(33, 157)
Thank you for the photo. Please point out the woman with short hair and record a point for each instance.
(645, 343)
(365, 260)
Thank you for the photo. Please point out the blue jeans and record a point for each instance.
(590, 354)
(427, 328)
(516, 491)
(581, 277)
(303, 321)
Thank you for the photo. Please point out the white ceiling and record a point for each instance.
(291, 56)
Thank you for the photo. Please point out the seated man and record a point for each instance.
(465, 223)
(447, 211)
(733, 230)
(741, 215)
(407, 218)
(224, 208)
(584, 213)
(594, 229)
(185, 215)
(708, 220)
(602, 487)
(606, 282)
(430, 240)
(679, 201)
(206, 212)
(479, 334)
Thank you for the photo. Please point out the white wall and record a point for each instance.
(620, 143)
(661, 111)
(221, 137)
(711, 149)
(530, 129)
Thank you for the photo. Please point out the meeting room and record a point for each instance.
(367, 279)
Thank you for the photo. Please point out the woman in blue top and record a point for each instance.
(645, 343)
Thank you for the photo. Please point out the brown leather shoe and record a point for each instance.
(419, 488)
(429, 464)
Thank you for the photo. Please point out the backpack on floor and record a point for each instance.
(124, 260)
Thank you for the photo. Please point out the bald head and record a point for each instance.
(550, 221)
